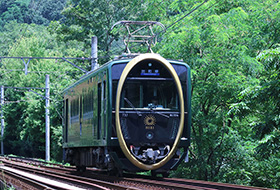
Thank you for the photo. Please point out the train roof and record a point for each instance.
(116, 60)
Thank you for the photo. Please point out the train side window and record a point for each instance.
(87, 105)
(74, 117)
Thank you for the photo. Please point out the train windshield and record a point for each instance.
(148, 85)
(149, 94)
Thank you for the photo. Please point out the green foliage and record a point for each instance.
(82, 23)
(268, 125)
(26, 134)
(266, 172)
(27, 11)
(234, 97)
(231, 46)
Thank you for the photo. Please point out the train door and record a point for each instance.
(81, 113)
(102, 103)
(104, 98)
(66, 119)
(99, 111)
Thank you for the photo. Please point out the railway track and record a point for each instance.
(12, 180)
(56, 180)
(197, 184)
(68, 178)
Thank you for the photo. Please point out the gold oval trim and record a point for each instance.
(121, 140)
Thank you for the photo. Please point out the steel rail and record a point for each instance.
(139, 181)
(91, 183)
(25, 180)
(210, 184)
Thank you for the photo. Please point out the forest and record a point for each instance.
(232, 47)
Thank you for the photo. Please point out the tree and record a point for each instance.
(268, 95)
(87, 18)
(219, 46)
(231, 47)
(267, 102)
(24, 110)
(26, 11)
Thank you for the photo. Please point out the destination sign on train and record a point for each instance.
(150, 72)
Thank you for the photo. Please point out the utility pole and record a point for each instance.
(94, 64)
(47, 118)
(2, 120)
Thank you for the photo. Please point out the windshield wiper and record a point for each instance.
(154, 111)
(137, 111)
(132, 106)
(152, 108)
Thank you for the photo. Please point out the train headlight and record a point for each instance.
(150, 135)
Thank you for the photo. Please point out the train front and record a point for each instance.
(152, 111)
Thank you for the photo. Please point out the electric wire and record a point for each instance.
(47, 72)
(180, 19)
(131, 10)
(159, 5)
(30, 57)
(214, 4)
(110, 40)
(123, 17)
(38, 88)
(56, 58)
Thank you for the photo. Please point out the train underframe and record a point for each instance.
(113, 161)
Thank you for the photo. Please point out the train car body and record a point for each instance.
(131, 114)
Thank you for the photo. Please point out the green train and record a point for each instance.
(131, 114)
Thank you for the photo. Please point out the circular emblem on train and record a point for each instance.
(150, 121)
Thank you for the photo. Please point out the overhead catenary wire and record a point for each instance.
(131, 10)
(24, 87)
(158, 5)
(30, 57)
(33, 100)
(40, 71)
(214, 4)
(19, 101)
(180, 19)
(56, 58)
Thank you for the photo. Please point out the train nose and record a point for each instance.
(148, 157)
